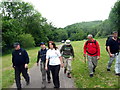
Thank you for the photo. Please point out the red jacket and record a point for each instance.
(92, 48)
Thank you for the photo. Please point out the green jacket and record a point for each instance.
(67, 51)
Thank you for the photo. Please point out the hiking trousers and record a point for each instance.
(67, 63)
(92, 63)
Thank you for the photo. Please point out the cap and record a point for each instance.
(16, 44)
(67, 41)
(42, 43)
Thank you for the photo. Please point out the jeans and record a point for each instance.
(117, 64)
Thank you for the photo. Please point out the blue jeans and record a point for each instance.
(117, 64)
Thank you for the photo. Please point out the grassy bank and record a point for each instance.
(102, 78)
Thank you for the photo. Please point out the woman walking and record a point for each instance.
(55, 61)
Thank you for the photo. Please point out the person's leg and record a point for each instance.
(90, 65)
(65, 64)
(52, 68)
(25, 74)
(17, 77)
(56, 76)
(110, 62)
(117, 64)
(94, 61)
(48, 74)
(43, 71)
(69, 66)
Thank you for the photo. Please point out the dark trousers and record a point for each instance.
(18, 71)
(55, 75)
(48, 73)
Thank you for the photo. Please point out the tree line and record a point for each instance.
(22, 23)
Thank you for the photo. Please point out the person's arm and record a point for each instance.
(61, 49)
(47, 58)
(72, 51)
(108, 48)
(26, 59)
(13, 60)
(98, 50)
(60, 57)
(38, 57)
(85, 46)
(61, 61)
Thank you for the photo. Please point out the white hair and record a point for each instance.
(90, 35)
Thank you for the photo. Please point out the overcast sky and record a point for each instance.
(65, 12)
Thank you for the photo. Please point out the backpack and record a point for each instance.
(91, 42)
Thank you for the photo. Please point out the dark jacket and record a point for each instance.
(67, 51)
(42, 55)
(20, 57)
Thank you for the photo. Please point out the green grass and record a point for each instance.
(102, 78)
(7, 70)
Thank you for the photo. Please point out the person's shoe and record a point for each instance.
(65, 71)
(108, 70)
(19, 88)
(43, 86)
(27, 83)
(93, 70)
(69, 75)
(91, 75)
(49, 81)
(56, 87)
(118, 74)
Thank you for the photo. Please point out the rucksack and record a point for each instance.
(91, 42)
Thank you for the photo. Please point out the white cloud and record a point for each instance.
(65, 12)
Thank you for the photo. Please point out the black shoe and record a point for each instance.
(49, 81)
(108, 70)
(91, 75)
(27, 83)
(56, 87)
(69, 75)
(65, 71)
(118, 74)
(93, 70)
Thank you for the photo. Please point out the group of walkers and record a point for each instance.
(51, 59)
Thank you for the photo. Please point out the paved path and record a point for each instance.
(36, 79)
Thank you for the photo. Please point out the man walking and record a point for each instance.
(92, 51)
(68, 55)
(20, 62)
(113, 50)
(42, 58)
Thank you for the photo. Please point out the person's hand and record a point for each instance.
(13, 66)
(62, 65)
(98, 57)
(26, 65)
(46, 68)
(37, 64)
(84, 55)
(111, 55)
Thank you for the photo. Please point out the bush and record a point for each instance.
(26, 40)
